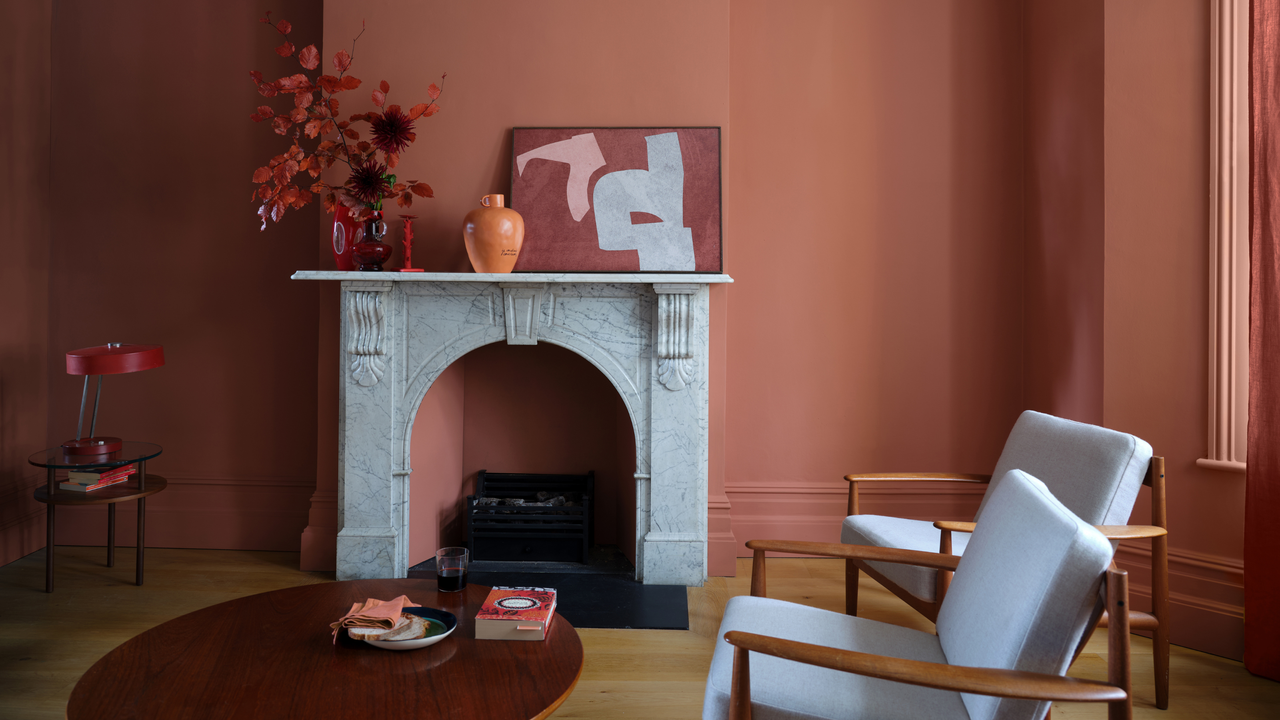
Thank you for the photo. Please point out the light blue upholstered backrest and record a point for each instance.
(1025, 591)
(1094, 471)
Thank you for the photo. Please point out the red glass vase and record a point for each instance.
(369, 251)
(344, 237)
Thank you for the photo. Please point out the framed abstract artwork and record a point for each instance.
(618, 199)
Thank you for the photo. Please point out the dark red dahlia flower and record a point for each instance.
(392, 131)
(368, 182)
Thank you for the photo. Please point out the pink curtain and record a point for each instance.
(1262, 494)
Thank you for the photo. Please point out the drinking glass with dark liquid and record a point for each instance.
(451, 569)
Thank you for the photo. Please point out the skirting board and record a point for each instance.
(722, 547)
(209, 513)
(814, 512)
(1206, 597)
(22, 529)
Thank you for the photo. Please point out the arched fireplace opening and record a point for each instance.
(520, 409)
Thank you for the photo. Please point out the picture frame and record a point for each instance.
(618, 200)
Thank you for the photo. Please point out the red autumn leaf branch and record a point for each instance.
(314, 115)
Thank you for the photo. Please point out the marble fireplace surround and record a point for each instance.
(647, 332)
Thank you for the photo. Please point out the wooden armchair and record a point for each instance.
(1094, 471)
(1021, 606)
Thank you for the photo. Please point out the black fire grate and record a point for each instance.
(524, 516)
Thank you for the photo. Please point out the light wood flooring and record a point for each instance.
(48, 641)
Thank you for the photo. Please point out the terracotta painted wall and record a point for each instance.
(1064, 208)
(1156, 319)
(24, 274)
(437, 453)
(875, 321)
(1117, 271)
(154, 240)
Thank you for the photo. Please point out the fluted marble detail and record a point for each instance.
(365, 341)
(675, 328)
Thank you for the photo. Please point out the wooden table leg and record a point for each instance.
(142, 535)
(48, 548)
(111, 535)
(48, 526)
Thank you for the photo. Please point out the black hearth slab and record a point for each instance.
(604, 601)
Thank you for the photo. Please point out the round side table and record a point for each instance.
(138, 487)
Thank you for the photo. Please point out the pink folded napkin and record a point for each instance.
(373, 614)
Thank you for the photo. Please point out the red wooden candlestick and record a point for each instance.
(408, 244)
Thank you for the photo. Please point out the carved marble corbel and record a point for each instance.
(675, 334)
(366, 335)
(522, 309)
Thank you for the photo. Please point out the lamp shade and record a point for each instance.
(114, 358)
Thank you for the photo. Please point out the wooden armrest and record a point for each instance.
(1111, 532)
(854, 479)
(1130, 532)
(917, 477)
(858, 552)
(982, 681)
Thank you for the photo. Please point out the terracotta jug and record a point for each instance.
(493, 234)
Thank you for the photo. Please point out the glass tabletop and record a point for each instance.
(130, 452)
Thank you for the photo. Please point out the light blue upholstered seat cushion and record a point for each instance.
(893, 532)
(1025, 592)
(783, 689)
(1095, 472)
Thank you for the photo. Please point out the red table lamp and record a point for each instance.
(109, 359)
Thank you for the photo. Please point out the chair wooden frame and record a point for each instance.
(982, 681)
(1157, 621)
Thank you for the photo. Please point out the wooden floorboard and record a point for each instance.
(48, 641)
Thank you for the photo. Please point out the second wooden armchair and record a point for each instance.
(1024, 600)
(1093, 471)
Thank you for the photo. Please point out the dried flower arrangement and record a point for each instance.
(315, 115)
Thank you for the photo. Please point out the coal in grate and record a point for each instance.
(527, 516)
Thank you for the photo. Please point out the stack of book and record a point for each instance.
(84, 481)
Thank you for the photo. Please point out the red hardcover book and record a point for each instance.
(516, 613)
(77, 487)
(84, 477)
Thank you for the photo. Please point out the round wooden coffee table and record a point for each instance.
(271, 656)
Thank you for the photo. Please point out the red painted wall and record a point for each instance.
(24, 273)
(153, 240)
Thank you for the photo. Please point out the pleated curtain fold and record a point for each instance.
(1262, 494)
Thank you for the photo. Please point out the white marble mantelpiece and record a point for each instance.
(647, 332)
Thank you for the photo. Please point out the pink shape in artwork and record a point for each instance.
(582, 154)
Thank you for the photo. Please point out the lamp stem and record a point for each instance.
(84, 397)
(94, 425)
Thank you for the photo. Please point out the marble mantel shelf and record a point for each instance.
(647, 333)
(545, 277)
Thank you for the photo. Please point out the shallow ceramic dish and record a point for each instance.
(435, 617)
